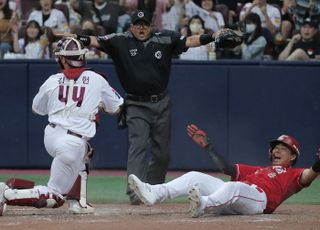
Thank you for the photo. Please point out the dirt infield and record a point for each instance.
(164, 216)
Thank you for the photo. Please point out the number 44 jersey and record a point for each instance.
(72, 102)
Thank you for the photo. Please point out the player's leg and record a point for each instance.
(151, 194)
(68, 161)
(160, 141)
(67, 165)
(231, 198)
(21, 192)
(138, 135)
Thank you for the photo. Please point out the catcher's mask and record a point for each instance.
(72, 50)
(289, 142)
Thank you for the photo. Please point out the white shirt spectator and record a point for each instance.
(212, 20)
(33, 50)
(57, 21)
(170, 19)
(272, 11)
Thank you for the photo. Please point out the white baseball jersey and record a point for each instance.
(88, 92)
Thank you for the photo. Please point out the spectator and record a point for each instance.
(269, 15)
(78, 11)
(89, 28)
(35, 43)
(129, 6)
(196, 27)
(254, 42)
(107, 14)
(303, 46)
(287, 19)
(47, 16)
(157, 14)
(154, 8)
(213, 20)
(233, 10)
(172, 15)
(305, 9)
(8, 19)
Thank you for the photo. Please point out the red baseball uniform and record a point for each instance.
(278, 182)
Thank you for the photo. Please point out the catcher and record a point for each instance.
(71, 99)
(253, 189)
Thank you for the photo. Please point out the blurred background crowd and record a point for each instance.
(273, 29)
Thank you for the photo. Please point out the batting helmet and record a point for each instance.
(73, 52)
(288, 141)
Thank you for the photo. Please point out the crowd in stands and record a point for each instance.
(273, 29)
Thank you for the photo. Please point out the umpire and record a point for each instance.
(142, 59)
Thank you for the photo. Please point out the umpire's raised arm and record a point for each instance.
(224, 38)
(85, 39)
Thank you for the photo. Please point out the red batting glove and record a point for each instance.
(197, 135)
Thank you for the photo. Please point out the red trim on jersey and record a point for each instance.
(74, 73)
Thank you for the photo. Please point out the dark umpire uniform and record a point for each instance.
(143, 68)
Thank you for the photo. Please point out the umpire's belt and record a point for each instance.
(148, 98)
(68, 131)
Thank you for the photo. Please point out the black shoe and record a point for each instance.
(134, 199)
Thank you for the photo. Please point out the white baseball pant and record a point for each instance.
(219, 196)
(68, 153)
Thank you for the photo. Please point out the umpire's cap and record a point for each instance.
(140, 15)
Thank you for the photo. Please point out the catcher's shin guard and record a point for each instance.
(78, 196)
(31, 197)
(79, 189)
(21, 192)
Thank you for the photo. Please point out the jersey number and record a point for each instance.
(77, 95)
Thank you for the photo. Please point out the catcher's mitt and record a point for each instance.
(228, 39)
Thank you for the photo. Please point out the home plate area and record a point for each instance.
(162, 216)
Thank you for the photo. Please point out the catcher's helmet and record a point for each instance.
(72, 50)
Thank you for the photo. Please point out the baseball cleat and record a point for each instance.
(3, 204)
(196, 204)
(76, 208)
(143, 190)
